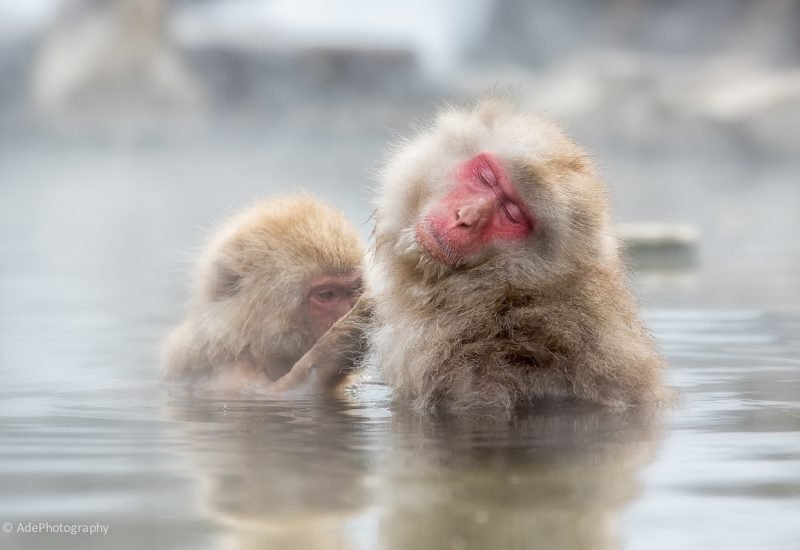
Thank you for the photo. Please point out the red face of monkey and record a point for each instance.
(330, 297)
(488, 189)
(482, 206)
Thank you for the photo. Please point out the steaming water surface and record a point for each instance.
(89, 285)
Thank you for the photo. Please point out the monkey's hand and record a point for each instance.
(333, 357)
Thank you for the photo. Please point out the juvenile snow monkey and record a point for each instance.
(273, 279)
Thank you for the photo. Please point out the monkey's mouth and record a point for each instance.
(437, 247)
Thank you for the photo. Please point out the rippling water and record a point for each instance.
(89, 436)
(360, 473)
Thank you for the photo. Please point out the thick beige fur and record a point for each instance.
(252, 281)
(551, 318)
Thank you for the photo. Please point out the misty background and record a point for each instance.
(127, 125)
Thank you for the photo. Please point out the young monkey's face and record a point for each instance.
(329, 298)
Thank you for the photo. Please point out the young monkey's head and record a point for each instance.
(277, 276)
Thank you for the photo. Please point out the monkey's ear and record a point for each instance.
(225, 282)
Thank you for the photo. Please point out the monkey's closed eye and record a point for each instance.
(511, 210)
(486, 177)
(325, 294)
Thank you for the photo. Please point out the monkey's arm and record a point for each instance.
(331, 359)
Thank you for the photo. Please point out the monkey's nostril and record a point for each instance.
(468, 216)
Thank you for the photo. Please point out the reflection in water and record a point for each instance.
(303, 475)
(279, 475)
(554, 479)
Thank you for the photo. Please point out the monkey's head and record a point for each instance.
(486, 190)
(277, 276)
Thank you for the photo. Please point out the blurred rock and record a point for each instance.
(651, 102)
(112, 61)
(659, 245)
(536, 33)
